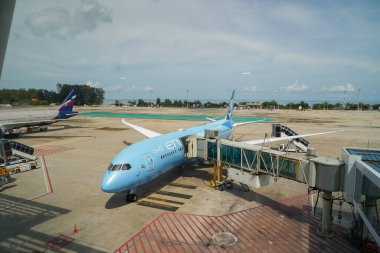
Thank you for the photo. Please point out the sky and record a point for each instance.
(200, 49)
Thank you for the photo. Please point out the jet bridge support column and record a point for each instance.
(370, 212)
(325, 229)
(217, 175)
(219, 164)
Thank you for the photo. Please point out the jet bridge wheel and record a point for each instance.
(131, 197)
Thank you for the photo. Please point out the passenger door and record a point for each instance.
(149, 162)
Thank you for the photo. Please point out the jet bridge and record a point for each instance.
(356, 174)
(248, 164)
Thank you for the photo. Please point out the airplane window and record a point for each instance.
(110, 167)
(116, 167)
(126, 166)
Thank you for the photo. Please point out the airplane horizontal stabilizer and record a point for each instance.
(146, 132)
(284, 138)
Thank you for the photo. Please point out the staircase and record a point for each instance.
(279, 130)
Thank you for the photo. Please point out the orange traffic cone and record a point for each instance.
(75, 231)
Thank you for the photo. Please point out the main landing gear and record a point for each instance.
(131, 197)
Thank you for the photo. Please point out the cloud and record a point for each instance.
(294, 13)
(115, 87)
(123, 78)
(17, 36)
(94, 84)
(58, 22)
(341, 88)
(146, 88)
(250, 89)
(246, 73)
(296, 87)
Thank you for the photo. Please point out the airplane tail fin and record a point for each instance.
(230, 107)
(65, 110)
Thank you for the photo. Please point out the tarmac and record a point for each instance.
(60, 206)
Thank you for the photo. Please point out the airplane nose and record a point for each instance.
(115, 181)
(108, 184)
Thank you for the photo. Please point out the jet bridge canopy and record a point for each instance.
(251, 158)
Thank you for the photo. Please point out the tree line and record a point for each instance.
(321, 106)
(85, 95)
(265, 105)
(169, 103)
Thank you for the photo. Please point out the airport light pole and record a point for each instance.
(187, 98)
(278, 98)
(151, 98)
(344, 99)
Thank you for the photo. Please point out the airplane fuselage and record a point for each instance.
(143, 161)
(24, 116)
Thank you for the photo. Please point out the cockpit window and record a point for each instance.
(116, 167)
(126, 166)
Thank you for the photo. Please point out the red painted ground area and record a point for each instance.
(59, 242)
(282, 227)
(49, 149)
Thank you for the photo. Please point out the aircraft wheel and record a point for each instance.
(131, 197)
(17, 170)
(229, 185)
(245, 187)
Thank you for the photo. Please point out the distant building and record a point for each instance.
(252, 105)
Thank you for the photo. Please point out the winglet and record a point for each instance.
(230, 107)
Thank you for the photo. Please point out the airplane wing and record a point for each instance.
(12, 125)
(284, 138)
(210, 119)
(247, 122)
(146, 132)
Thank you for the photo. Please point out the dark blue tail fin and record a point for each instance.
(65, 110)
(230, 107)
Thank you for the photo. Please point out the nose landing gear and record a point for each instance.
(131, 197)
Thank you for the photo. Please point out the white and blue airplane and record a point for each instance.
(144, 161)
